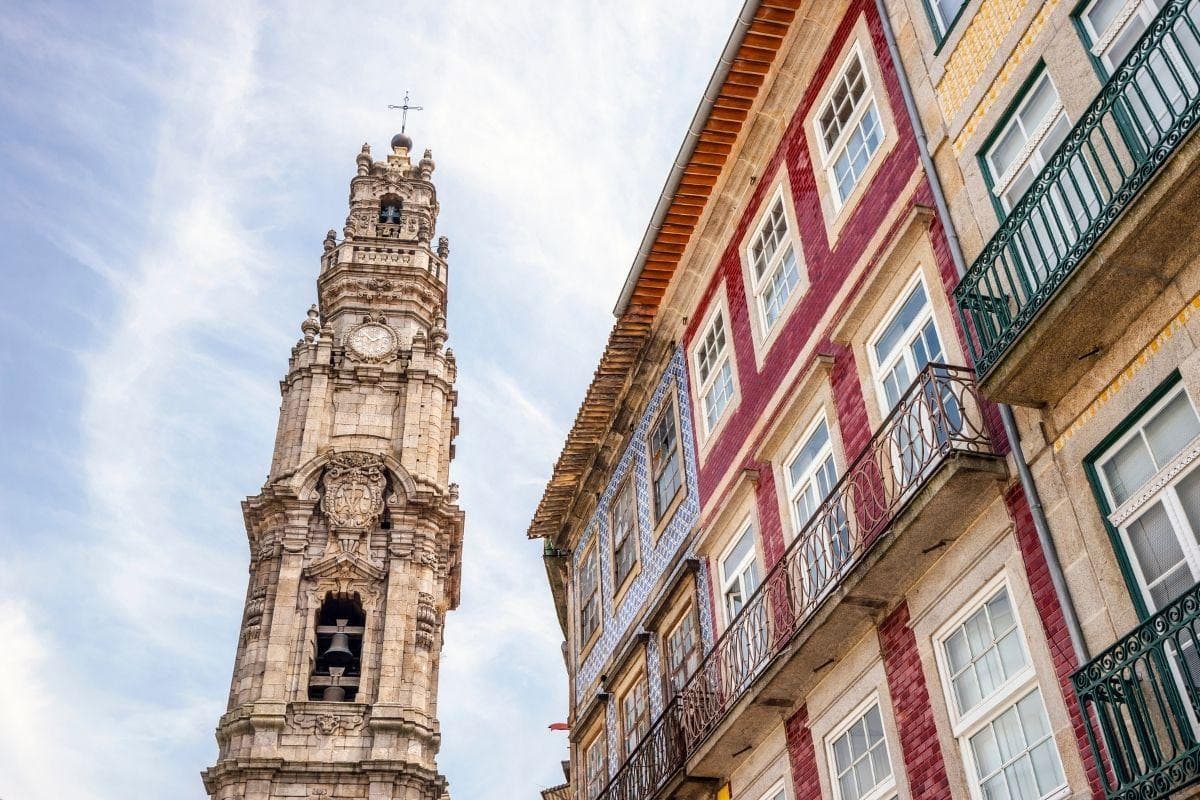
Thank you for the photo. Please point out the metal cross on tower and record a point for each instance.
(404, 109)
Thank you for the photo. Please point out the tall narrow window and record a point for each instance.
(1022, 147)
(589, 594)
(907, 342)
(666, 460)
(635, 713)
(739, 572)
(714, 368)
(683, 650)
(595, 765)
(858, 753)
(849, 127)
(1155, 497)
(811, 476)
(339, 639)
(624, 534)
(996, 706)
(773, 271)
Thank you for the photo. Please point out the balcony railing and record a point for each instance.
(1141, 701)
(1141, 116)
(938, 416)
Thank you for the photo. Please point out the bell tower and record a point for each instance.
(355, 539)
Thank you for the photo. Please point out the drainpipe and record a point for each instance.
(1006, 414)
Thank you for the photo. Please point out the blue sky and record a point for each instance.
(168, 174)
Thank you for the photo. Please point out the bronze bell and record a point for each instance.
(334, 694)
(339, 647)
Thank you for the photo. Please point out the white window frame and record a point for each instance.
(600, 739)
(829, 154)
(887, 787)
(790, 243)
(638, 679)
(903, 352)
(632, 536)
(826, 452)
(1014, 689)
(942, 26)
(747, 527)
(778, 791)
(1159, 487)
(723, 356)
(1028, 154)
(591, 550)
(1103, 40)
(660, 515)
(691, 616)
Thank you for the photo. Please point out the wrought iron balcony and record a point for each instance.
(938, 417)
(1142, 115)
(1141, 702)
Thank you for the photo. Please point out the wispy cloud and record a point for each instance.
(171, 171)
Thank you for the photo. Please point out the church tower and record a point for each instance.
(355, 540)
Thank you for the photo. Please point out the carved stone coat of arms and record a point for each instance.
(354, 485)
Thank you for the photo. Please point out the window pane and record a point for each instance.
(1128, 469)
(1042, 100)
(738, 554)
(1188, 490)
(1172, 429)
(893, 334)
(1102, 13)
(1154, 543)
(804, 460)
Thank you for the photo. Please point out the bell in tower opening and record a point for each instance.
(355, 539)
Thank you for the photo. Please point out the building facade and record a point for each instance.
(1061, 133)
(800, 543)
(355, 540)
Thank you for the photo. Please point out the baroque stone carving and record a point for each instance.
(426, 620)
(354, 484)
(328, 724)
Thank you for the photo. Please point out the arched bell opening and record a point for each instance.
(337, 668)
(390, 207)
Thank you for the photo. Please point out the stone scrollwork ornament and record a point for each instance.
(354, 485)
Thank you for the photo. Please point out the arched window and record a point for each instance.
(338, 664)
(390, 207)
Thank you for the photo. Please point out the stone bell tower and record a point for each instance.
(355, 539)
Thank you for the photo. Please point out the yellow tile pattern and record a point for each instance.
(1001, 80)
(979, 42)
(1131, 369)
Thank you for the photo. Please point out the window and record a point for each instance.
(683, 650)
(996, 706)
(336, 673)
(772, 257)
(389, 209)
(776, 793)
(589, 594)
(625, 534)
(849, 128)
(635, 713)
(858, 757)
(1161, 91)
(1014, 157)
(943, 14)
(714, 368)
(811, 474)
(1157, 501)
(665, 461)
(595, 766)
(904, 346)
(739, 572)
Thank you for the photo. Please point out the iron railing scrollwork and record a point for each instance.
(938, 416)
(1141, 701)
(1143, 113)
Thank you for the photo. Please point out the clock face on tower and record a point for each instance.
(372, 341)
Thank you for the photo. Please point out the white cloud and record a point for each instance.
(208, 148)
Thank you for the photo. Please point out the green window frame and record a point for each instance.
(940, 34)
(1092, 472)
(989, 180)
